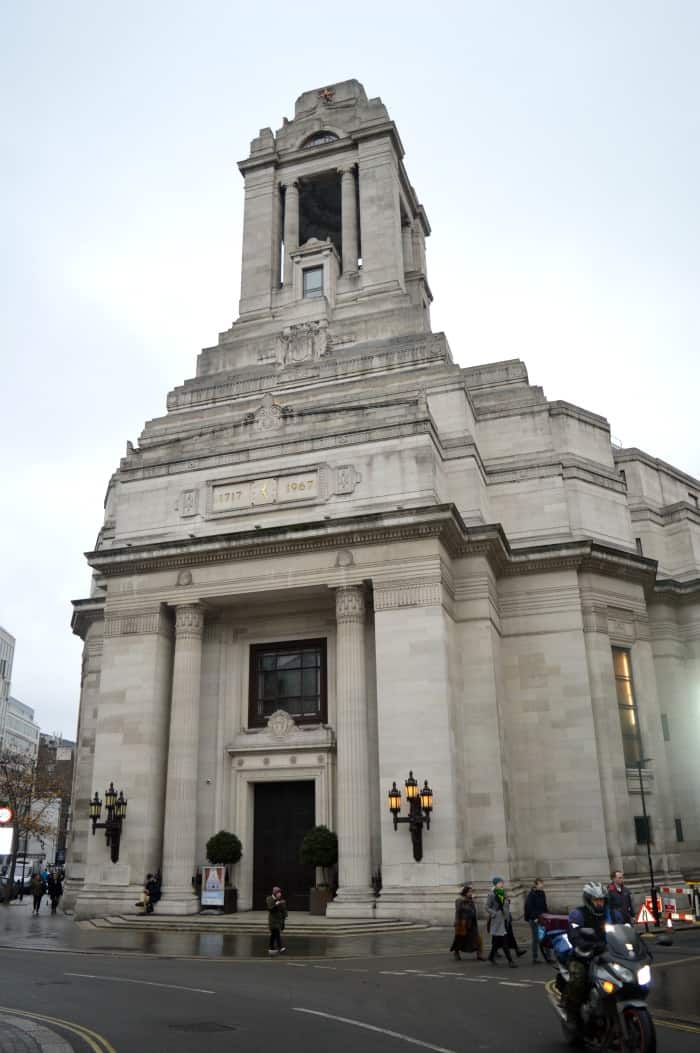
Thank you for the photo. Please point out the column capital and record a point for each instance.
(189, 620)
(350, 603)
(346, 169)
(290, 183)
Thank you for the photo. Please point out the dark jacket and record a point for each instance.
(535, 904)
(276, 912)
(620, 902)
(54, 887)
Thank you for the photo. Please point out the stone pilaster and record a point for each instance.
(179, 833)
(348, 204)
(352, 783)
(291, 227)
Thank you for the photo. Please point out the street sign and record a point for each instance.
(644, 915)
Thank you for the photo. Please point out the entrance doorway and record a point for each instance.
(284, 811)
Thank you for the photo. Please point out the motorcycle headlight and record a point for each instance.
(625, 974)
(644, 976)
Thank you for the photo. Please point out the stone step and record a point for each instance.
(232, 925)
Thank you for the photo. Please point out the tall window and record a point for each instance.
(627, 707)
(289, 676)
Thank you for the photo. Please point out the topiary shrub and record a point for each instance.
(224, 848)
(320, 849)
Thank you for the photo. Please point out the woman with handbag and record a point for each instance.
(467, 937)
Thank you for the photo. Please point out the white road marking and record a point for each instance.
(371, 1027)
(330, 968)
(147, 983)
(298, 965)
(507, 983)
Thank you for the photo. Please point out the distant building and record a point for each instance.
(7, 654)
(19, 734)
(55, 759)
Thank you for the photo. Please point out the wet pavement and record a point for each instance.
(676, 969)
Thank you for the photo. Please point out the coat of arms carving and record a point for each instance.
(304, 342)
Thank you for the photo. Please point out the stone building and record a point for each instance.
(340, 557)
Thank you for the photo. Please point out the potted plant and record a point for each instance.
(320, 849)
(224, 849)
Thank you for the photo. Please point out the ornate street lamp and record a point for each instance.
(420, 805)
(116, 813)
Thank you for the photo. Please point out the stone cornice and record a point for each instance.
(282, 444)
(85, 612)
(680, 590)
(215, 388)
(442, 522)
(632, 453)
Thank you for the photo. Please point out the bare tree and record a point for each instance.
(30, 793)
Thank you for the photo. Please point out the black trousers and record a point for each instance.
(37, 901)
(502, 943)
(275, 939)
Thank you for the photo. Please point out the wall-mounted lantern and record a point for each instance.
(116, 813)
(420, 805)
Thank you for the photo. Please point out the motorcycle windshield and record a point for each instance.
(624, 942)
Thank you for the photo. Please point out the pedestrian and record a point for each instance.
(535, 907)
(467, 936)
(153, 889)
(276, 917)
(54, 887)
(619, 899)
(37, 888)
(498, 910)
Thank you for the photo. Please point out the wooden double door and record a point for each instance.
(283, 813)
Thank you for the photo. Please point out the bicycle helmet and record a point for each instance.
(594, 890)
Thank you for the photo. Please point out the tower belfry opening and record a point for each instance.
(320, 210)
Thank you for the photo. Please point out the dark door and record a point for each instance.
(284, 811)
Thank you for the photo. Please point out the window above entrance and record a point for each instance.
(289, 676)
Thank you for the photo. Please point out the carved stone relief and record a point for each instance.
(189, 503)
(346, 479)
(304, 342)
(280, 724)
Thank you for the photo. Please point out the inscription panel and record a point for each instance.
(227, 498)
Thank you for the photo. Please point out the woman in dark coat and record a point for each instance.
(467, 936)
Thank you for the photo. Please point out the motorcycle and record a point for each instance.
(614, 1015)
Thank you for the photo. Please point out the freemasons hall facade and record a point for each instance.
(339, 558)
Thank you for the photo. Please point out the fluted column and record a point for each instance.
(353, 799)
(348, 206)
(181, 787)
(291, 226)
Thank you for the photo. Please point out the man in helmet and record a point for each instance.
(590, 915)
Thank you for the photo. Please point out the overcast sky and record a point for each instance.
(555, 146)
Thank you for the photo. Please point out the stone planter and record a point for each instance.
(319, 898)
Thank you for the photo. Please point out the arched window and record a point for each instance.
(318, 138)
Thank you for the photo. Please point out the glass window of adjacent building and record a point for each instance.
(289, 676)
(627, 706)
(313, 281)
